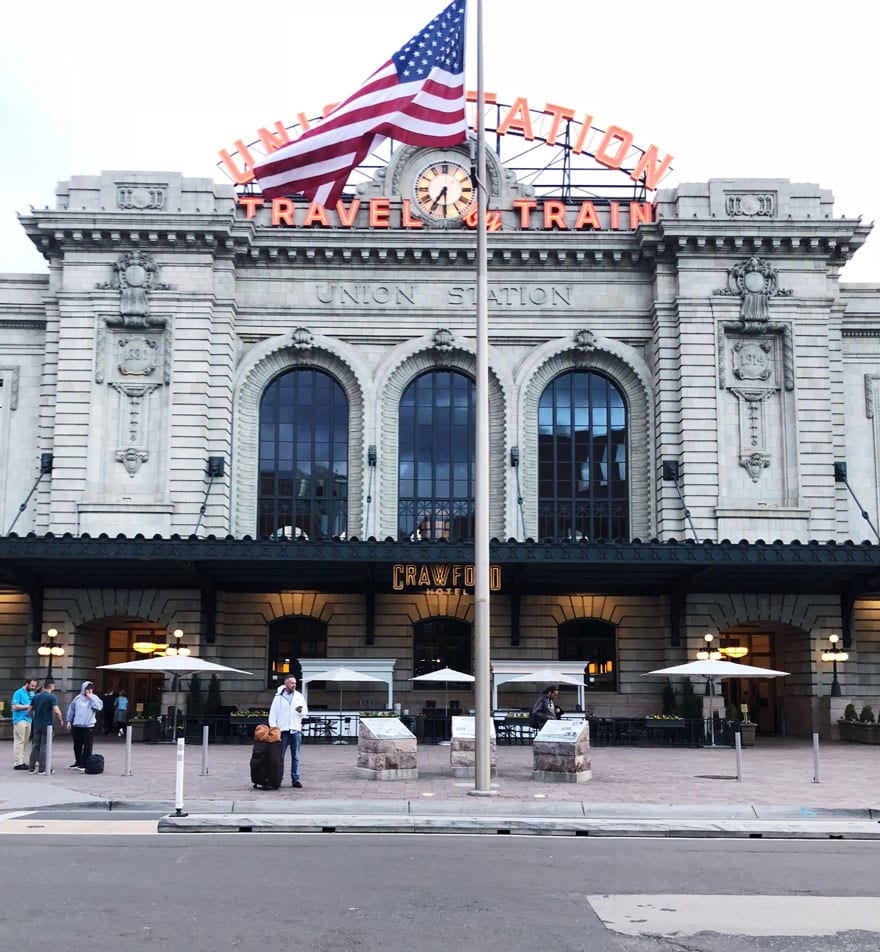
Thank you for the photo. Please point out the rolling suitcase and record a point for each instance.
(266, 760)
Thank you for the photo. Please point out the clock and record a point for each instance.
(444, 190)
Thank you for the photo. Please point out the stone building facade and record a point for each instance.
(733, 447)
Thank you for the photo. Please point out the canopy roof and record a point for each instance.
(31, 563)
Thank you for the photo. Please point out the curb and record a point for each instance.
(315, 822)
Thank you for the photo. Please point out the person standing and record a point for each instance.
(286, 713)
(21, 722)
(120, 712)
(43, 708)
(81, 719)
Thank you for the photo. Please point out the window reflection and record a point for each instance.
(436, 468)
(583, 489)
(303, 453)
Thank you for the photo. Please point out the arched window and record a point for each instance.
(593, 642)
(303, 485)
(583, 489)
(440, 643)
(435, 485)
(291, 639)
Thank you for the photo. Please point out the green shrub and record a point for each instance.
(691, 705)
(670, 704)
(195, 702)
(213, 703)
(866, 715)
(849, 713)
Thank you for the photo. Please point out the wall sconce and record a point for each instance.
(49, 649)
(708, 653)
(178, 648)
(833, 654)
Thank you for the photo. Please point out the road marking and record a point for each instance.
(78, 827)
(664, 915)
(16, 814)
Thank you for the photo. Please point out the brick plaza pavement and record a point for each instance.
(776, 772)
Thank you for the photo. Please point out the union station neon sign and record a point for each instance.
(611, 148)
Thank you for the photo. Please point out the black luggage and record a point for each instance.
(95, 763)
(266, 765)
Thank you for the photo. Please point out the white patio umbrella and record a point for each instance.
(179, 664)
(550, 675)
(175, 666)
(445, 675)
(712, 670)
(341, 675)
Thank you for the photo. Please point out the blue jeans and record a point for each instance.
(293, 740)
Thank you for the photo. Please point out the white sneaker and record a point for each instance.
(121, 732)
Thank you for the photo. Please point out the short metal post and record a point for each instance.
(737, 740)
(815, 758)
(178, 789)
(47, 767)
(126, 770)
(205, 730)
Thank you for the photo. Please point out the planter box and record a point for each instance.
(859, 733)
(747, 734)
(6, 729)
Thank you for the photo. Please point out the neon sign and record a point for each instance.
(610, 148)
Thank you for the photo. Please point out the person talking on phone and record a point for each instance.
(81, 719)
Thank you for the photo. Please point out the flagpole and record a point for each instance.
(482, 693)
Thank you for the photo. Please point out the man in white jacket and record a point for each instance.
(287, 711)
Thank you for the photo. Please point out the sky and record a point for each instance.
(777, 89)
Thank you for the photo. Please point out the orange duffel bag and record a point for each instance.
(266, 734)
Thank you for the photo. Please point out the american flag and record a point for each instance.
(416, 98)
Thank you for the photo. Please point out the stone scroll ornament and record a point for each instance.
(135, 277)
(754, 282)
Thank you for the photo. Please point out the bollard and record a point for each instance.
(815, 758)
(178, 787)
(205, 730)
(737, 739)
(47, 767)
(126, 770)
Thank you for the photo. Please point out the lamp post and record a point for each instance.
(708, 653)
(49, 649)
(178, 648)
(834, 654)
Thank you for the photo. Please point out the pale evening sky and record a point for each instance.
(774, 90)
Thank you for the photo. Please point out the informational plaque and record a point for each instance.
(386, 728)
(466, 728)
(566, 730)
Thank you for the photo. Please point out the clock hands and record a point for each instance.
(438, 199)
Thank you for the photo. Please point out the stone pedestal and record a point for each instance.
(561, 752)
(386, 750)
(462, 751)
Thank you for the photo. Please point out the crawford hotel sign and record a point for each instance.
(443, 190)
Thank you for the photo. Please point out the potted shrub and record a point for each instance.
(861, 728)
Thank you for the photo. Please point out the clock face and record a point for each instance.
(444, 190)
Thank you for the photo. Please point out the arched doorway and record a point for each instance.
(761, 646)
(117, 640)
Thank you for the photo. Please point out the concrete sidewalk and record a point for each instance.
(644, 791)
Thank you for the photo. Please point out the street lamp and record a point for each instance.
(49, 649)
(178, 649)
(834, 654)
(708, 653)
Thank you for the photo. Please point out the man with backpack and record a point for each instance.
(545, 708)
